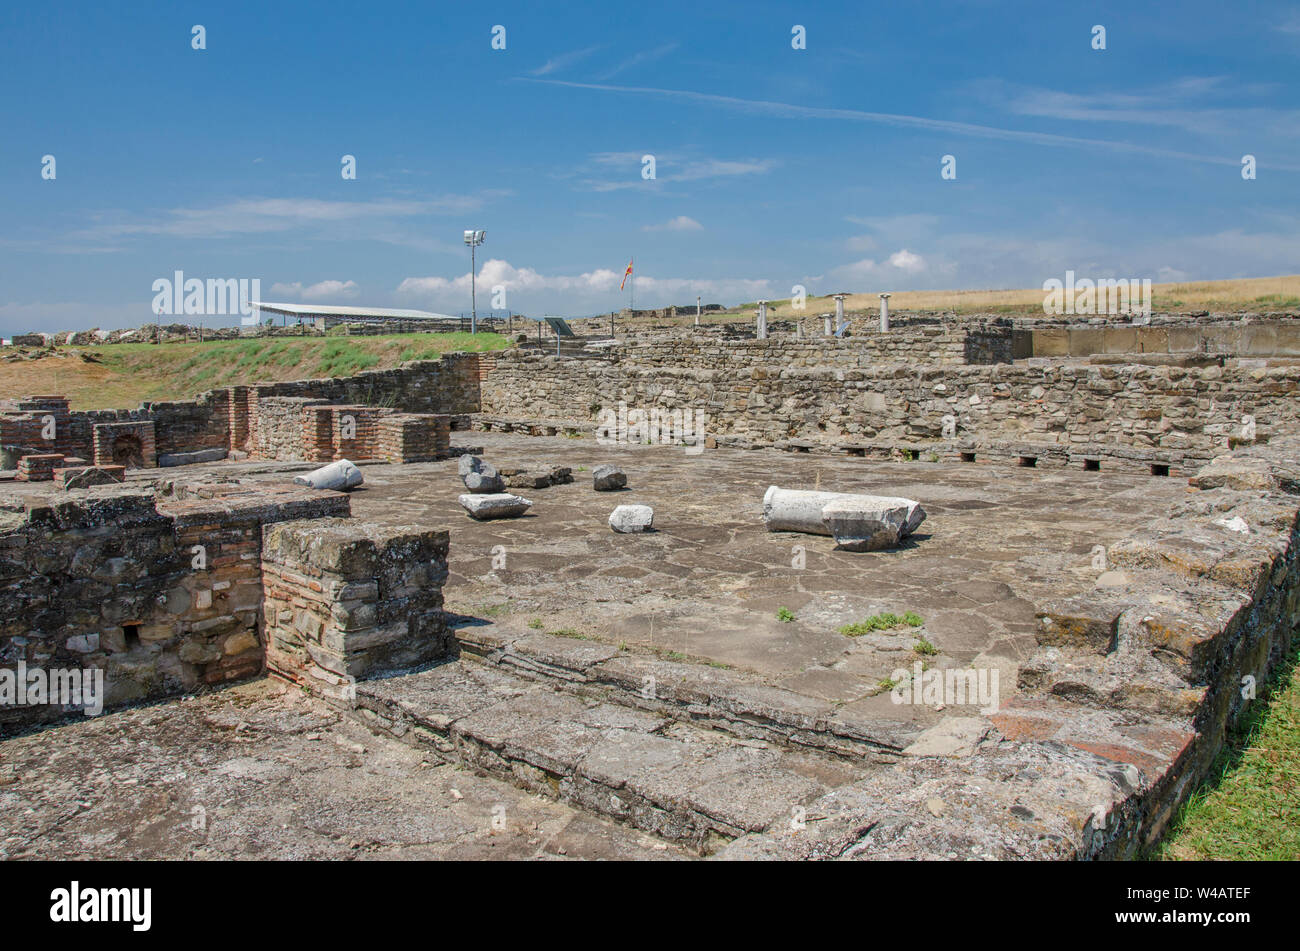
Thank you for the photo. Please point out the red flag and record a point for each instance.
(625, 275)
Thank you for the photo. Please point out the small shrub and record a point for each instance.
(784, 615)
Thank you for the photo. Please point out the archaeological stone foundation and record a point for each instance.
(1111, 526)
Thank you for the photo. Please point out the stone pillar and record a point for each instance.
(839, 311)
(884, 313)
(827, 329)
(697, 311)
(762, 320)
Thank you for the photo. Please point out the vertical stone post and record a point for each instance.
(884, 313)
(762, 320)
(839, 311)
(827, 329)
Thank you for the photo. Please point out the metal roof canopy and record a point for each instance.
(355, 313)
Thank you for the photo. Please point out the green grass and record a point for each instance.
(124, 374)
(883, 622)
(783, 614)
(1249, 807)
(925, 648)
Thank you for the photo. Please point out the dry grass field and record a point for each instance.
(1259, 294)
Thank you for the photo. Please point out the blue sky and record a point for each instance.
(774, 166)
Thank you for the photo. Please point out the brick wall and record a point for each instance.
(343, 600)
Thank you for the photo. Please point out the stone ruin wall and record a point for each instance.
(764, 392)
(167, 594)
(228, 419)
(344, 601)
(1189, 621)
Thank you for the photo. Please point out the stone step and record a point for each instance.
(718, 698)
(690, 785)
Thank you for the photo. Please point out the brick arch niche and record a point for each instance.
(125, 444)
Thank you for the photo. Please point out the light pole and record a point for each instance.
(473, 239)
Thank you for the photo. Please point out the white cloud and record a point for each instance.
(905, 260)
(680, 223)
(323, 290)
(591, 292)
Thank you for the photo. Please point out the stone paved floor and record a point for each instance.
(708, 583)
(263, 771)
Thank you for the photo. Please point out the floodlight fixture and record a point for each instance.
(473, 239)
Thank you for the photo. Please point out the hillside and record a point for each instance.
(123, 375)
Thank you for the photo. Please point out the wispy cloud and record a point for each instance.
(669, 167)
(263, 215)
(680, 223)
(563, 60)
(787, 110)
(640, 59)
(1290, 25)
(1180, 104)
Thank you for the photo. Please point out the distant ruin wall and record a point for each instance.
(929, 342)
(767, 393)
(1239, 339)
(228, 418)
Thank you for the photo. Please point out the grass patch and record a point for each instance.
(1249, 807)
(783, 614)
(882, 622)
(925, 648)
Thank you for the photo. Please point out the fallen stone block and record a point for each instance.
(83, 477)
(484, 483)
(628, 519)
(608, 478)
(797, 510)
(340, 476)
(480, 477)
(865, 523)
(539, 477)
(190, 458)
(496, 505)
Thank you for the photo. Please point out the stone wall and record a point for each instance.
(1193, 614)
(1242, 338)
(161, 594)
(345, 600)
(763, 392)
(227, 418)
